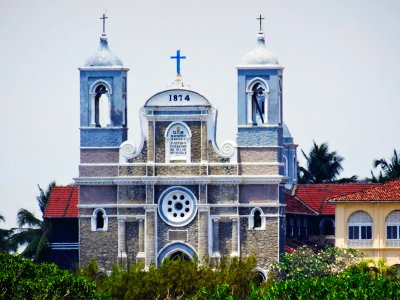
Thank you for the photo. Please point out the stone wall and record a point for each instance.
(253, 193)
(132, 242)
(95, 194)
(132, 194)
(101, 155)
(262, 243)
(258, 154)
(225, 236)
(99, 245)
(98, 171)
(226, 193)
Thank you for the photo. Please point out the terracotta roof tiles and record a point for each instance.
(389, 191)
(63, 202)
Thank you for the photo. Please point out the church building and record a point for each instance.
(177, 193)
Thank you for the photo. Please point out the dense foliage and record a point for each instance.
(21, 278)
(176, 279)
(305, 263)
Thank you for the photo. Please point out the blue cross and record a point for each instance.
(178, 58)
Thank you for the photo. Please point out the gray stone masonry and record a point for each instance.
(258, 154)
(258, 193)
(98, 171)
(226, 193)
(132, 194)
(90, 194)
(261, 243)
(96, 156)
(225, 236)
(151, 237)
(101, 246)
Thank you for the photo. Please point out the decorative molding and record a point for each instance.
(203, 207)
(259, 67)
(180, 180)
(107, 68)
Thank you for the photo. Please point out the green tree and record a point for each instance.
(5, 234)
(322, 166)
(389, 170)
(32, 231)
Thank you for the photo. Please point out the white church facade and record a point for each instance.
(177, 193)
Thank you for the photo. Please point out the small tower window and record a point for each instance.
(257, 219)
(101, 116)
(99, 220)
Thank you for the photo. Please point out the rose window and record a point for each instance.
(177, 206)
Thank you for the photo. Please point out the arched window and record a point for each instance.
(177, 143)
(259, 276)
(100, 104)
(327, 226)
(257, 219)
(99, 220)
(257, 96)
(359, 226)
(393, 229)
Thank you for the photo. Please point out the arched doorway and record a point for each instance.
(327, 226)
(176, 251)
(179, 255)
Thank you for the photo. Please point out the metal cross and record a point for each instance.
(104, 22)
(178, 58)
(260, 18)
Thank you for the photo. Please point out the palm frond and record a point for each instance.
(44, 196)
(25, 217)
(2, 218)
(25, 236)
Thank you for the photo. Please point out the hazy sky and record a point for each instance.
(341, 78)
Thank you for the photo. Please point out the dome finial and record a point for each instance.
(104, 17)
(261, 18)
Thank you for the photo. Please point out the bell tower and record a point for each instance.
(103, 99)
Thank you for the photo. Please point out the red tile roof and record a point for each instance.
(296, 206)
(315, 195)
(63, 202)
(389, 191)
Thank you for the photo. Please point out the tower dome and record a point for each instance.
(260, 55)
(103, 57)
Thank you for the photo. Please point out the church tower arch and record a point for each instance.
(257, 91)
(100, 100)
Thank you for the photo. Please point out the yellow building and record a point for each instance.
(370, 221)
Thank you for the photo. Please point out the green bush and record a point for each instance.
(21, 278)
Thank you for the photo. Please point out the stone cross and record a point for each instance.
(104, 22)
(260, 18)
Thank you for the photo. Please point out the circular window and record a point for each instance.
(177, 206)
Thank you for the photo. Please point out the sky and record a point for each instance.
(341, 77)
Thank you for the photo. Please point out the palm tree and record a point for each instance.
(32, 231)
(5, 234)
(322, 165)
(391, 169)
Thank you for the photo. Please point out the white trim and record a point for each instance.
(199, 205)
(251, 219)
(106, 68)
(94, 220)
(260, 67)
(180, 180)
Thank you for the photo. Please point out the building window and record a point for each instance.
(393, 229)
(99, 220)
(177, 206)
(359, 227)
(257, 219)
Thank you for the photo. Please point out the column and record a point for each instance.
(141, 255)
(122, 241)
(235, 237)
(215, 237)
(203, 232)
(151, 236)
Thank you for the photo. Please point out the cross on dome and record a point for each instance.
(261, 18)
(104, 23)
(178, 58)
